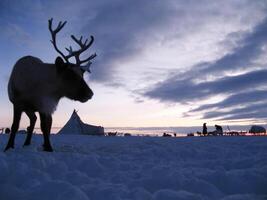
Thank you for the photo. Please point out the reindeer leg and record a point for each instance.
(30, 128)
(14, 128)
(46, 123)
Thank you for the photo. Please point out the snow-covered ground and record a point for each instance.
(141, 168)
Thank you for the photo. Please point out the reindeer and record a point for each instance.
(35, 86)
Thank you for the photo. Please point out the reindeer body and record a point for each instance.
(35, 86)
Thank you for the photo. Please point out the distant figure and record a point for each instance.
(174, 135)
(166, 135)
(219, 129)
(205, 130)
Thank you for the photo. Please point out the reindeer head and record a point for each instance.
(71, 75)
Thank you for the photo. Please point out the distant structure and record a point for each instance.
(257, 129)
(219, 130)
(76, 126)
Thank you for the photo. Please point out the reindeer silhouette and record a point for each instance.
(35, 86)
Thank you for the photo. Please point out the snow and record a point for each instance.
(144, 168)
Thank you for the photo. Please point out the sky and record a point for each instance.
(159, 63)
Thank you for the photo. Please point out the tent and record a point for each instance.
(76, 126)
(257, 129)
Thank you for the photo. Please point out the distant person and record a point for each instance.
(219, 129)
(205, 130)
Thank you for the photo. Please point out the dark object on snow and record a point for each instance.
(205, 129)
(190, 135)
(219, 130)
(199, 133)
(7, 130)
(257, 129)
(112, 133)
(234, 133)
(35, 86)
(127, 134)
(166, 135)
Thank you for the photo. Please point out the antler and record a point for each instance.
(54, 33)
(83, 46)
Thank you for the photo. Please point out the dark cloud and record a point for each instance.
(246, 110)
(121, 28)
(242, 56)
(239, 90)
(256, 115)
(250, 46)
(235, 100)
(174, 90)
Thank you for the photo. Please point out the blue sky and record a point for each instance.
(159, 63)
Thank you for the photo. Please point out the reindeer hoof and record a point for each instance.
(8, 147)
(47, 148)
(26, 144)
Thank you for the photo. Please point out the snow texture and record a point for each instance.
(138, 168)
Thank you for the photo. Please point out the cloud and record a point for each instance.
(236, 75)
(247, 105)
(242, 56)
(121, 29)
(214, 46)
(251, 110)
(185, 90)
(234, 100)
(256, 115)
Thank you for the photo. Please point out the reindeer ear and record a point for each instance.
(59, 64)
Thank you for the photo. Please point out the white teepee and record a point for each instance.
(76, 126)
